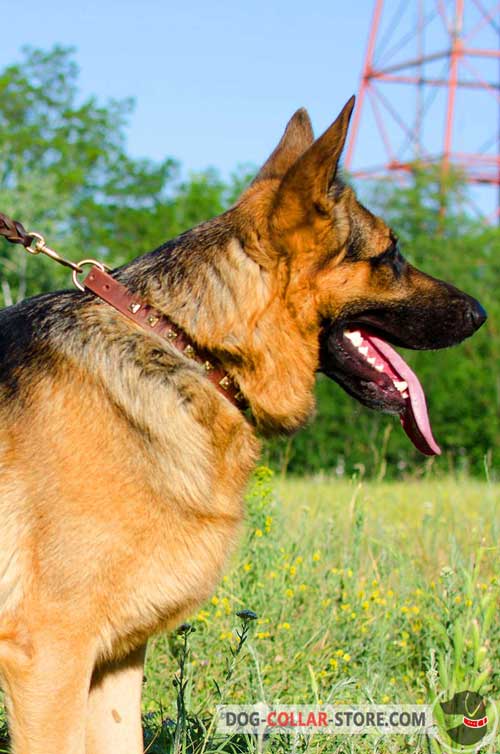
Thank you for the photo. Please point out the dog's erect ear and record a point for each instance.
(297, 138)
(312, 175)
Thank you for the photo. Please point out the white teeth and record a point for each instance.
(363, 350)
(371, 360)
(355, 337)
(401, 386)
(379, 367)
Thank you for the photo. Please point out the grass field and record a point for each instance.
(364, 592)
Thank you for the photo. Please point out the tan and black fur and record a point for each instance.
(122, 468)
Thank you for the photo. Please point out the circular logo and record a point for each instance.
(470, 721)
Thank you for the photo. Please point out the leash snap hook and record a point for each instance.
(39, 244)
(40, 247)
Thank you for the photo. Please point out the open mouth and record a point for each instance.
(370, 370)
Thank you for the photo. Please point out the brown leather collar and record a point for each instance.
(151, 320)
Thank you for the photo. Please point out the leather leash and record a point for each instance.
(103, 285)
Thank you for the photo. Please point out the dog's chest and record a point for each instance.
(181, 547)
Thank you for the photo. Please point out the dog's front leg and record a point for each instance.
(46, 681)
(114, 709)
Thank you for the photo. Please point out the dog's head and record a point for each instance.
(346, 276)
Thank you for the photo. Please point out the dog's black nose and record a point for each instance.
(476, 315)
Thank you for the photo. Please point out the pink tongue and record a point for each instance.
(414, 417)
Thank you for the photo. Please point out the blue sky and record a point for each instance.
(214, 82)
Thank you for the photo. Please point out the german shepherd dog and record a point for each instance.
(123, 468)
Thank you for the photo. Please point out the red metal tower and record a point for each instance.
(430, 91)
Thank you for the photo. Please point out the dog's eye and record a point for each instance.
(392, 256)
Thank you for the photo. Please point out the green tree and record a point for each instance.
(65, 171)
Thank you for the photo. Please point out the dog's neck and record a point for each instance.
(208, 282)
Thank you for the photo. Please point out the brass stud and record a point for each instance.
(208, 366)
(153, 320)
(171, 335)
(189, 352)
(239, 396)
(134, 308)
(225, 382)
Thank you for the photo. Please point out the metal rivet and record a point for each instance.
(189, 352)
(225, 382)
(152, 320)
(171, 334)
(208, 366)
(134, 308)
